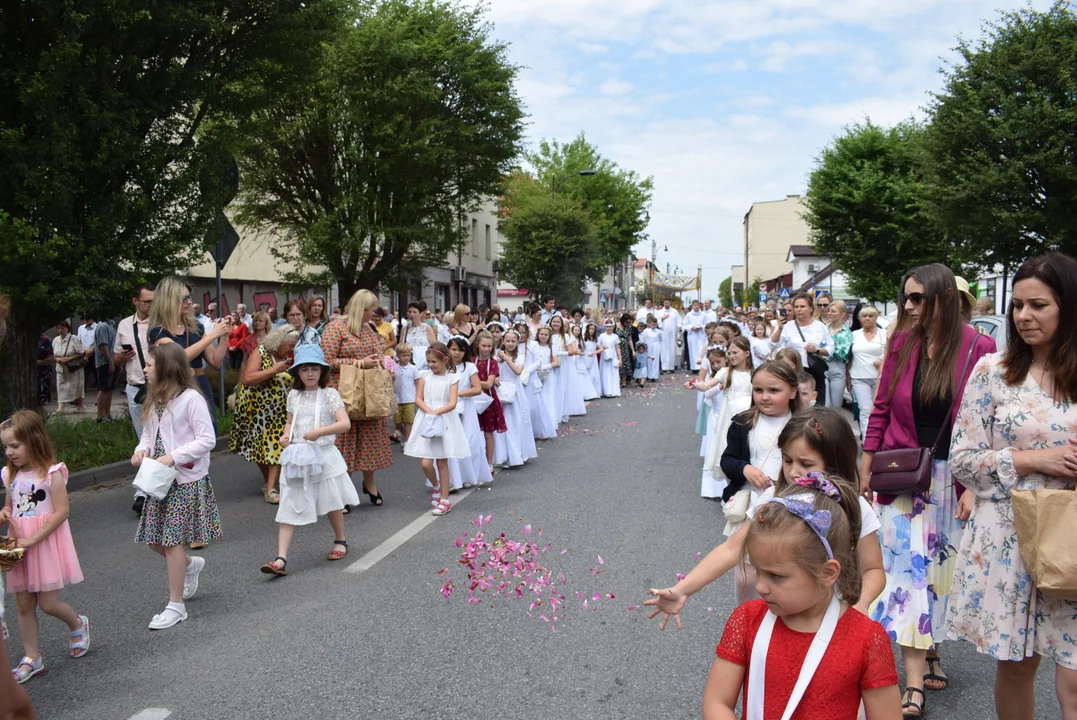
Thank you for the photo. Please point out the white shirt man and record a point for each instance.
(710, 315)
(244, 317)
(643, 312)
(86, 332)
(203, 319)
(125, 350)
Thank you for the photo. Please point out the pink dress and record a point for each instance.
(52, 563)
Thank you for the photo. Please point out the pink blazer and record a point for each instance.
(892, 425)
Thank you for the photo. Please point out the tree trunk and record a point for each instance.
(18, 362)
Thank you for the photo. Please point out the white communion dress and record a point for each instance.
(314, 477)
(452, 443)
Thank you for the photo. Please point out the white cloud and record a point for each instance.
(613, 86)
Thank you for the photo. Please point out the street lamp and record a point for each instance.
(581, 173)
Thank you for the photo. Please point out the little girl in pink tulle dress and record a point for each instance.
(37, 510)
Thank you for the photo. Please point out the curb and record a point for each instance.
(117, 471)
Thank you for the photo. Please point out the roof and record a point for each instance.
(640, 262)
(799, 251)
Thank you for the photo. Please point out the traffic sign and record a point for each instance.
(762, 297)
(784, 294)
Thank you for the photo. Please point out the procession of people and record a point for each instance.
(915, 553)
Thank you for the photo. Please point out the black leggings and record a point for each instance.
(820, 385)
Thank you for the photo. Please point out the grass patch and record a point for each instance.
(86, 444)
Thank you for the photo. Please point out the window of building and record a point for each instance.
(489, 247)
(474, 237)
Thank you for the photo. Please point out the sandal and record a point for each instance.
(82, 645)
(443, 508)
(942, 682)
(918, 709)
(272, 496)
(435, 496)
(33, 667)
(337, 553)
(270, 568)
(374, 499)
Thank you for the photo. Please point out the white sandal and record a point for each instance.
(167, 619)
(443, 508)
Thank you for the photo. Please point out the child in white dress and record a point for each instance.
(517, 446)
(314, 479)
(652, 337)
(550, 395)
(473, 470)
(736, 398)
(439, 434)
(610, 361)
(579, 361)
(591, 353)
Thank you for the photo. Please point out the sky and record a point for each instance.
(726, 102)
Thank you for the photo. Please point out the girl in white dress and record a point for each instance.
(542, 425)
(418, 335)
(710, 388)
(590, 351)
(550, 394)
(652, 336)
(564, 347)
(314, 476)
(517, 446)
(439, 434)
(579, 361)
(472, 470)
(762, 347)
(736, 398)
(610, 361)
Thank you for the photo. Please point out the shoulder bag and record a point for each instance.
(140, 394)
(906, 471)
(816, 364)
(77, 363)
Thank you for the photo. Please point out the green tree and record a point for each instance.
(113, 121)
(616, 200)
(367, 171)
(550, 249)
(864, 207)
(725, 293)
(1000, 159)
(750, 294)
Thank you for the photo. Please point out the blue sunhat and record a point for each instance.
(309, 355)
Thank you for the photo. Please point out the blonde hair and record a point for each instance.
(29, 429)
(359, 303)
(840, 305)
(263, 318)
(172, 375)
(868, 311)
(790, 357)
(404, 348)
(276, 338)
(167, 309)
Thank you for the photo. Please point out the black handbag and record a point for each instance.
(816, 364)
(75, 364)
(140, 394)
(906, 471)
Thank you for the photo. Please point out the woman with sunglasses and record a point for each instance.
(919, 392)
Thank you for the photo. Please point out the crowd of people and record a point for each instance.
(827, 534)
(911, 541)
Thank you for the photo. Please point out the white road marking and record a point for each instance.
(400, 537)
(151, 714)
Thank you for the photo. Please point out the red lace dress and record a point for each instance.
(492, 419)
(859, 658)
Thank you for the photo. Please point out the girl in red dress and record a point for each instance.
(802, 651)
(492, 419)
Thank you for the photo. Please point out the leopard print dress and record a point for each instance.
(261, 413)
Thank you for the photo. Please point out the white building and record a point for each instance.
(812, 271)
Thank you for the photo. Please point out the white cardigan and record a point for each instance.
(187, 433)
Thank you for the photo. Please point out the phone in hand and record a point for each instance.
(784, 314)
(127, 347)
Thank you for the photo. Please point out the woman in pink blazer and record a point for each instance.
(919, 393)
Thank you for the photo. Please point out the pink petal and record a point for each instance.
(601, 561)
(710, 610)
(633, 607)
(610, 596)
(680, 576)
(527, 530)
(598, 596)
(698, 556)
(579, 595)
(442, 571)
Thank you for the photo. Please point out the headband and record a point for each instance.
(435, 350)
(495, 323)
(458, 336)
(719, 348)
(803, 506)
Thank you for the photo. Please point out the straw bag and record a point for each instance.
(1044, 520)
(9, 554)
(154, 479)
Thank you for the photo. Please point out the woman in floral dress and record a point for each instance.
(350, 340)
(628, 348)
(1017, 430)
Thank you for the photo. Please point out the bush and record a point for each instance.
(231, 379)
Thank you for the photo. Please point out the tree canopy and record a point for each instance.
(114, 119)
(367, 170)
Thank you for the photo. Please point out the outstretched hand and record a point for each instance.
(668, 601)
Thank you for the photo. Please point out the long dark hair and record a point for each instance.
(827, 433)
(460, 343)
(940, 327)
(1059, 273)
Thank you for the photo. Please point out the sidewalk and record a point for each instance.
(119, 406)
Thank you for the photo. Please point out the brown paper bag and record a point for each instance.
(351, 391)
(378, 393)
(1044, 520)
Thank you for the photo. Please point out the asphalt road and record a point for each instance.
(330, 642)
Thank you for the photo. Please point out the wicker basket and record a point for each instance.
(11, 555)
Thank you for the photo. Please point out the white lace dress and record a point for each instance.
(453, 442)
(314, 477)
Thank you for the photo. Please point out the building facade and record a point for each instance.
(770, 228)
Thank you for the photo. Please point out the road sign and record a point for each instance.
(762, 297)
(784, 294)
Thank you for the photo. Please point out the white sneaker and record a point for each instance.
(468, 485)
(190, 577)
(167, 619)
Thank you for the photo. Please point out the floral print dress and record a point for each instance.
(993, 603)
(627, 364)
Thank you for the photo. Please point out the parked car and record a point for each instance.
(994, 326)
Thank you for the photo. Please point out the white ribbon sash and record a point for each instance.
(757, 670)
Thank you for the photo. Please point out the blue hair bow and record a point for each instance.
(803, 506)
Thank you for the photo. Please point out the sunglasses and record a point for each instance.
(822, 306)
(916, 298)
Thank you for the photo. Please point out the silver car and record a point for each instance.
(994, 326)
